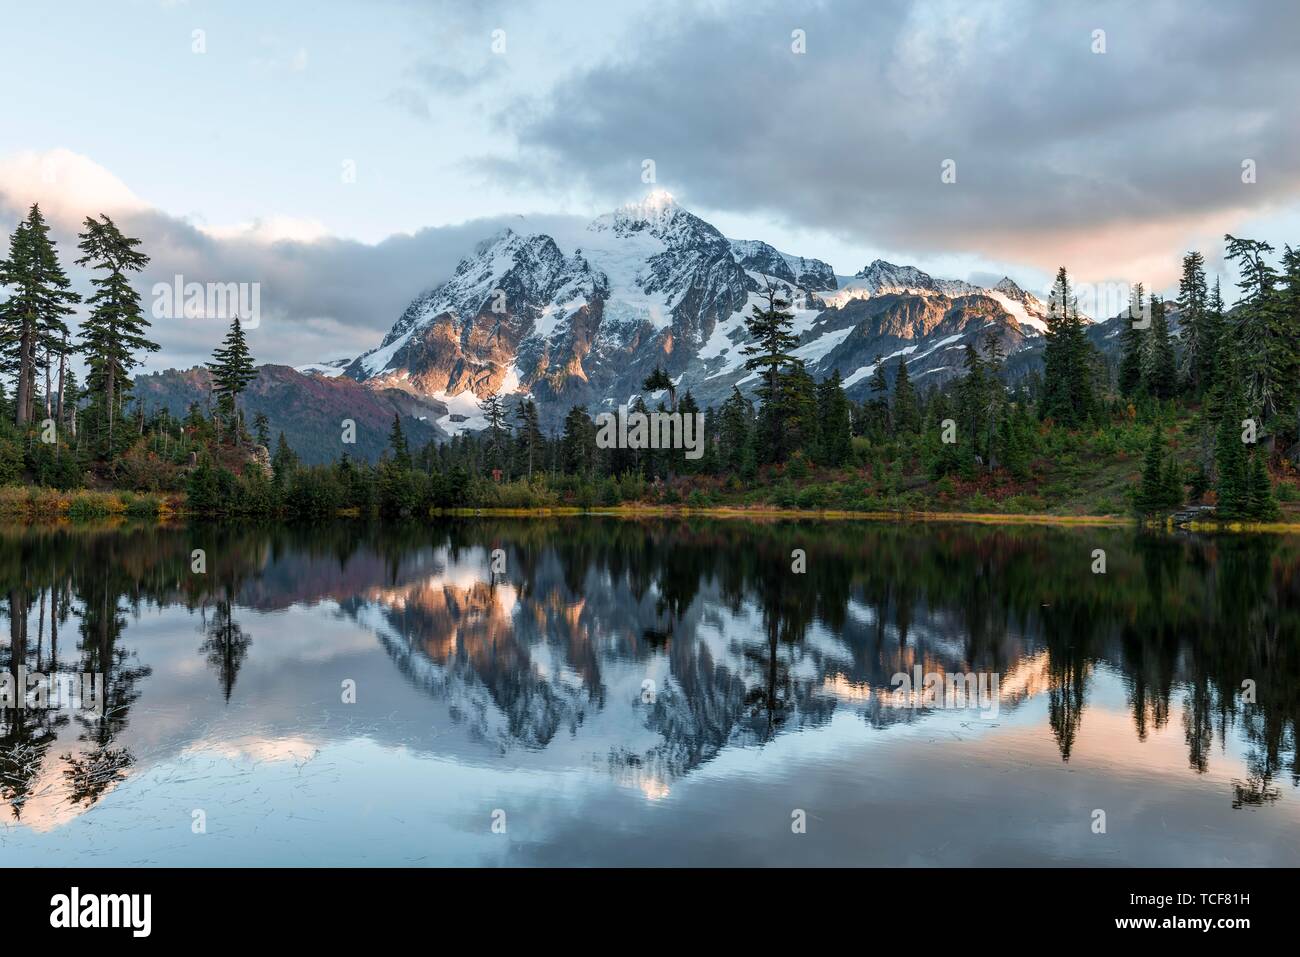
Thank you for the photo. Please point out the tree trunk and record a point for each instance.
(22, 401)
(63, 363)
(109, 395)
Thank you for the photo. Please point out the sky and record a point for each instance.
(345, 155)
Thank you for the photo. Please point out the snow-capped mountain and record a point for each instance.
(583, 319)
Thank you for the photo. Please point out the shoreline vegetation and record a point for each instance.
(41, 506)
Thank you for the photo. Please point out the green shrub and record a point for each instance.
(811, 497)
(797, 467)
(1287, 492)
(88, 507)
(142, 506)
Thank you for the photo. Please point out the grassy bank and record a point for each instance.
(36, 504)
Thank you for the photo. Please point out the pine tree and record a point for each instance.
(1130, 367)
(114, 332)
(232, 370)
(31, 320)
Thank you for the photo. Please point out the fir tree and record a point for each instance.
(114, 332)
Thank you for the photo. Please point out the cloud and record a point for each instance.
(1054, 145)
(322, 297)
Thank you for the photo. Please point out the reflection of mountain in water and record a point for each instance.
(738, 649)
(649, 647)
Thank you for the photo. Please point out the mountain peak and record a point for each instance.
(658, 199)
(888, 275)
(657, 208)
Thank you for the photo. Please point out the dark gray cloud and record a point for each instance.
(1049, 138)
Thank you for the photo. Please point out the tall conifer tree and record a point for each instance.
(114, 332)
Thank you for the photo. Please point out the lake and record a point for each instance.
(600, 691)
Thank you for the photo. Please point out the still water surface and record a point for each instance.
(652, 693)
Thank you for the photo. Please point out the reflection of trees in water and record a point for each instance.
(48, 578)
(225, 645)
(749, 648)
(92, 773)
